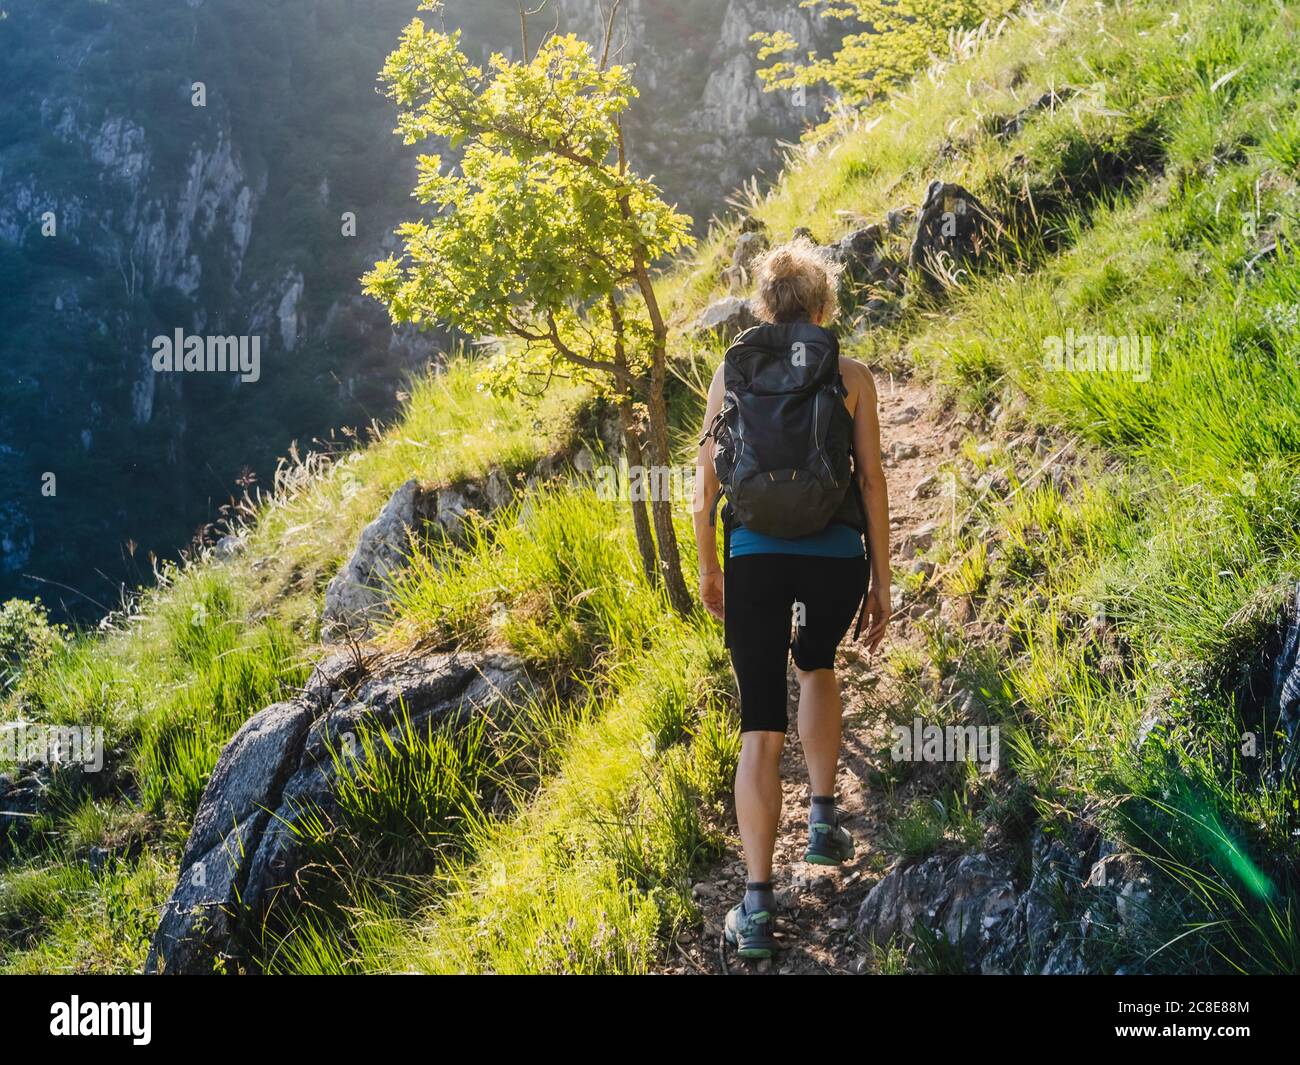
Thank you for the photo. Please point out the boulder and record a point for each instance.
(243, 856)
(1077, 882)
(861, 255)
(229, 546)
(971, 900)
(357, 594)
(726, 319)
(750, 247)
(918, 540)
(898, 219)
(1286, 689)
(953, 229)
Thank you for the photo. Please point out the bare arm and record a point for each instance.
(706, 491)
(875, 494)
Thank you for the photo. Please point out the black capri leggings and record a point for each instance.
(764, 597)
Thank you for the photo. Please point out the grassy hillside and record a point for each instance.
(1127, 604)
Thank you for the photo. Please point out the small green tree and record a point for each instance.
(904, 37)
(27, 641)
(542, 234)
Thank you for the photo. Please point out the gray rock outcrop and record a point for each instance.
(750, 246)
(243, 855)
(357, 595)
(1286, 689)
(953, 229)
(861, 256)
(972, 902)
(726, 319)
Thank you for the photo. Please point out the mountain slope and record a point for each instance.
(1110, 575)
(227, 168)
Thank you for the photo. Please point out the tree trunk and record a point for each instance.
(670, 562)
(661, 509)
(640, 517)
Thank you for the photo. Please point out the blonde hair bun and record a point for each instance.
(796, 281)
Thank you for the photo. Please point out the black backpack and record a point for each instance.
(784, 452)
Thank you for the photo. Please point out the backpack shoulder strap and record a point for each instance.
(726, 535)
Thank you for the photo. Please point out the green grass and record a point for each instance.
(1199, 517)
(1137, 587)
(1138, 207)
(608, 785)
(181, 668)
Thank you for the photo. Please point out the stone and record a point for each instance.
(919, 539)
(897, 219)
(498, 489)
(953, 229)
(357, 595)
(926, 486)
(1133, 905)
(725, 319)
(1286, 687)
(750, 246)
(252, 768)
(861, 257)
(453, 508)
(973, 902)
(243, 856)
(922, 566)
(229, 546)
(970, 899)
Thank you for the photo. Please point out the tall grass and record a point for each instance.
(607, 788)
(1144, 202)
(173, 676)
(1199, 517)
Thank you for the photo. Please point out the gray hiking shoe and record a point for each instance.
(750, 933)
(828, 844)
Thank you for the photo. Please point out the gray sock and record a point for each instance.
(822, 808)
(759, 896)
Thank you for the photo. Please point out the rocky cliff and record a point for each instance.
(223, 169)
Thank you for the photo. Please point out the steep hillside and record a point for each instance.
(1096, 555)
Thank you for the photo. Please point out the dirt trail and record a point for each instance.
(818, 906)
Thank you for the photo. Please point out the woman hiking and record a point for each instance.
(792, 439)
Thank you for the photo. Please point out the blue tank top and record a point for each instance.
(837, 540)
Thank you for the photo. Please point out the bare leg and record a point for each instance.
(758, 799)
(820, 709)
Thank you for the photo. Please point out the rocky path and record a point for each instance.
(818, 906)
